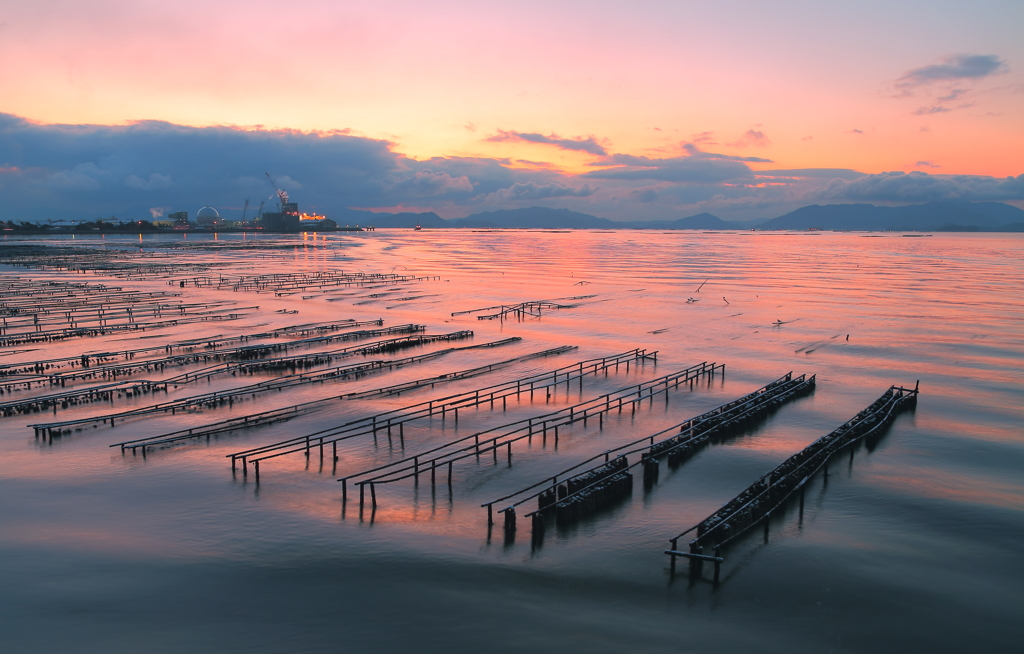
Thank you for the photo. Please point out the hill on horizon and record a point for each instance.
(930, 216)
(536, 218)
(945, 215)
(527, 218)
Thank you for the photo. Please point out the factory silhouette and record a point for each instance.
(287, 217)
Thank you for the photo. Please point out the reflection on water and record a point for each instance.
(912, 545)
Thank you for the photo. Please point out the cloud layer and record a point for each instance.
(148, 169)
(953, 79)
(580, 144)
(953, 68)
(922, 187)
(695, 167)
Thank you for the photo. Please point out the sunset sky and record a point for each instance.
(645, 109)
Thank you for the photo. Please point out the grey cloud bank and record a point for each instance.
(142, 170)
(697, 166)
(954, 77)
(588, 144)
(922, 187)
(954, 67)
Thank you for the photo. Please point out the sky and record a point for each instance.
(645, 109)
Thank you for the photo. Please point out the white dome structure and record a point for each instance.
(207, 216)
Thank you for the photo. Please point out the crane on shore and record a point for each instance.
(282, 195)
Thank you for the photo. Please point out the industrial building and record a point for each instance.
(288, 218)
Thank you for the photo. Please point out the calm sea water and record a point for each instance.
(912, 546)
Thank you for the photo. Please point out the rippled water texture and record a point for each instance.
(913, 545)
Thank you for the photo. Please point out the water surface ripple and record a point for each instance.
(912, 545)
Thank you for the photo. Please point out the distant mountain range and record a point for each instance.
(950, 215)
